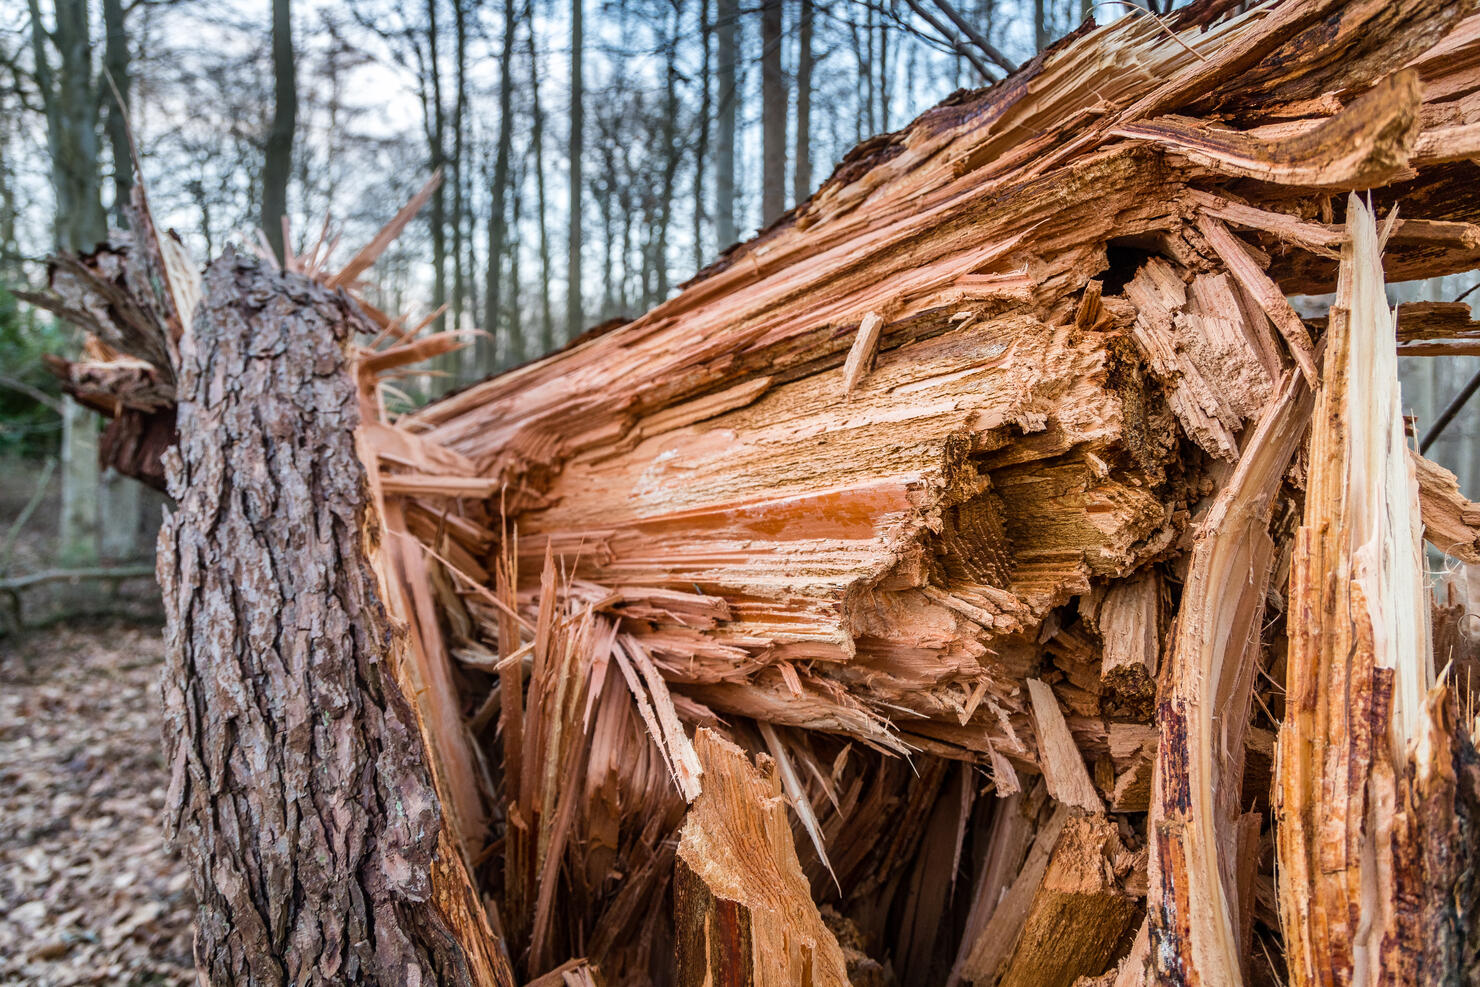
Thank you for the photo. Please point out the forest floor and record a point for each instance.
(89, 893)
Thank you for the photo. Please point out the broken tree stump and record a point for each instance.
(299, 788)
(975, 494)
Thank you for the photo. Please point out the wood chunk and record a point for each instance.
(1235, 254)
(1058, 756)
(743, 909)
(1065, 915)
(1082, 911)
(1129, 627)
(1451, 521)
(1199, 765)
(1359, 663)
(1199, 340)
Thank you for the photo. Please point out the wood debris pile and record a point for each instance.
(984, 574)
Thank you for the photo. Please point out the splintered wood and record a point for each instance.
(1360, 669)
(917, 595)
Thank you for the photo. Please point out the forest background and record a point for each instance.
(595, 154)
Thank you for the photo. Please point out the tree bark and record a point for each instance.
(773, 115)
(299, 788)
(279, 162)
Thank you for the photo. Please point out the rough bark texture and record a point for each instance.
(299, 790)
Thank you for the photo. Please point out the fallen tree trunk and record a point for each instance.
(988, 457)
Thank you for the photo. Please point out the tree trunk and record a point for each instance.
(537, 142)
(116, 97)
(801, 185)
(498, 193)
(983, 466)
(727, 51)
(574, 317)
(460, 274)
(672, 156)
(701, 145)
(436, 128)
(70, 102)
(279, 161)
(884, 92)
(773, 115)
(300, 792)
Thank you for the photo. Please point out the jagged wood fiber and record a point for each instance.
(989, 456)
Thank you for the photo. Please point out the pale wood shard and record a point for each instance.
(1058, 757)
(744, 912)
(861, 354)
(1359, 666)
(371, 251)
(1199, 761)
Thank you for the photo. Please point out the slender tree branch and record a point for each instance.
(986, 46)
(960, 47)
(34, 393)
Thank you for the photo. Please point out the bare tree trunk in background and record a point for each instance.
(115, 65)
(537, 138)
(518, 349)
(71, 106)
(727, 14)
(278, 163)
(460, 275)
(773, 115)
(883, 75)
(498, 227)
(867, 71)
(672, 153)
(1041, 36)
(701, 147)
(437, 142)
(128, 511)
(801, 185)
(300, 792)
(574, 320)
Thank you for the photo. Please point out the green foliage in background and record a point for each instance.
(28, 427)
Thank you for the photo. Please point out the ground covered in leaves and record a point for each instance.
(89, 893)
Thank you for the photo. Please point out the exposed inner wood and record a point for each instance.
(743, 909)
(979, 501)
